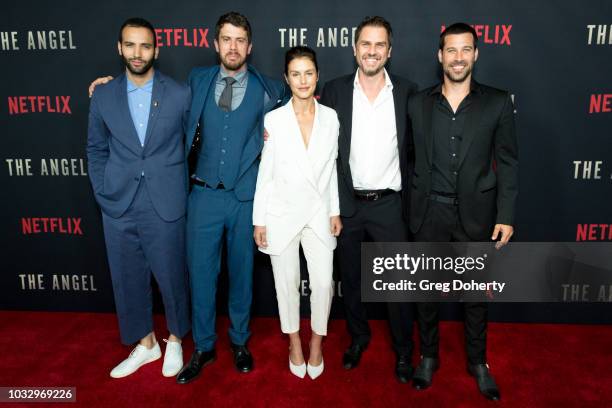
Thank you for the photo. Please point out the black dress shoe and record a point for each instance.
(485, 381)
(352, 356)
(423, 374)
(243, 360)
(199, 360)
(403, 368)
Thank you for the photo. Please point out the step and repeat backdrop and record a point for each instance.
(554, 57)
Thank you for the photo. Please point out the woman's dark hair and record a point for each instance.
(300, 52)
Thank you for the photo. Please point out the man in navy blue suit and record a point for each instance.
(136, 163)
(225, 139)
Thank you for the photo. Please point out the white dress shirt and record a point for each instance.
(374, 157)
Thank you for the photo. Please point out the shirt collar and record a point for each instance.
(388, 83)
(148, 86)
(239, 77)
(474, 88)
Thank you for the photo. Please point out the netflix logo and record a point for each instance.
(498, 34)
(182, 37)
(594, 232)
(600, 103)
(51, 225)
(18, 105)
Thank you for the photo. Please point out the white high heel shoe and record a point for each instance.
(315, 371)
(297, 370)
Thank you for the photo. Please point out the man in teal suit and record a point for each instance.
(224, 141)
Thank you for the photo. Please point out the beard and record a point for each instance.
(232, 65)
(457, 77)
(138, 71)
(371, 71)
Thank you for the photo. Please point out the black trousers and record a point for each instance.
(442, 224)
(379, 221)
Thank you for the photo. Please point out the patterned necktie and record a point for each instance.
(225, 101)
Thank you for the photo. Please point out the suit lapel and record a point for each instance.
(156, 100)
(470, 127)
(124, 109)
(198, 100)
(427, 113)
(345, 113)
(399, 101)
(298, 144)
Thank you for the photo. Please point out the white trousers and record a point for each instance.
(286, 269)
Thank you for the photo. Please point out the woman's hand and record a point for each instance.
(336, 225)
(260, 236)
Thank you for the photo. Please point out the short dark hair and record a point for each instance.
(300, 52)
(374, 21)
(138, 22)
(235, 19)
(458, 28)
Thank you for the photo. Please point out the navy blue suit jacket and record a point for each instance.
(116, 160)
(200, 80)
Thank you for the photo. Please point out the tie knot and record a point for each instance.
(229, 81)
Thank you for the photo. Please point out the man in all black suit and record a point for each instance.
(372, 176)
(464, 184)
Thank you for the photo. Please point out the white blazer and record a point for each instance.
(297, 187)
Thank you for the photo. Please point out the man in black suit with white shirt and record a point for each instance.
(372, 177)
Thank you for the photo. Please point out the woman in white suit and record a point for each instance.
(296, 202)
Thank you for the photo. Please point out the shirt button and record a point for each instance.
(224, 139)
(455, 173)
(226, 116)
(222, 162)
(140, 105)
(225, 127)
(454, 155)
(452, 137)
(453, 118)
(223, 151)
(140, 125)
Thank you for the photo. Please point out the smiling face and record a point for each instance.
(302, 77)
(137, 49)
(458, 57)
(372, 49)
(233, 47)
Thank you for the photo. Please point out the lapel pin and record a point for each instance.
(155, 103)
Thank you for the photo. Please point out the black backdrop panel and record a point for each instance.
(554, 57)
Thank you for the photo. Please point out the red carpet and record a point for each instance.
(535, 365)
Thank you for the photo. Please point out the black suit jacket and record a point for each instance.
(487, 180)
(338, 94)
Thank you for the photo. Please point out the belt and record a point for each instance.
(444, 199)
(372, 195)
(204, 184)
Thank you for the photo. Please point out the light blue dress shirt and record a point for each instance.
(139, 101)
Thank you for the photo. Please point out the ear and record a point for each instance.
(286, 79)
(389, 54)
(249, 49)
(440, 56)
(476, 55)
(119, 48)
(216, 45)
(354, 50)
(156, 52)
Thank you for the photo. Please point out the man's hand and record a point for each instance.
(506, 233)
(336, 225)
(266, 135)
(260, 236)
(99, 81)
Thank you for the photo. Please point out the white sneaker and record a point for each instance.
(173, 359)
(315, 371)
(137, 358)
